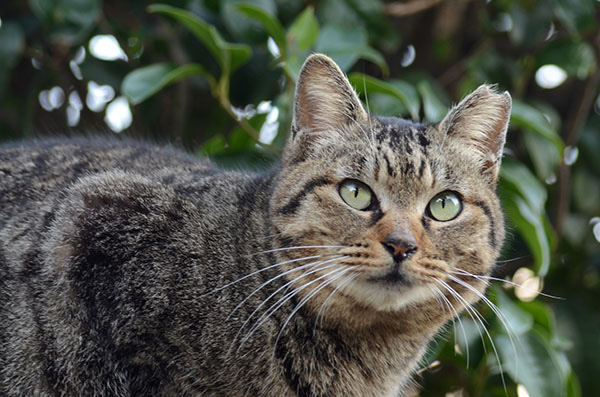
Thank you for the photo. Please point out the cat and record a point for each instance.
(132, 269)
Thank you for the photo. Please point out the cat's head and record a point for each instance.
(385, 210)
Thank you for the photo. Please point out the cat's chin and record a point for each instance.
(382, 294)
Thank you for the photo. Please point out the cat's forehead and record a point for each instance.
(400, 135)
(409, 156)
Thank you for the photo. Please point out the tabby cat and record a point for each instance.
(131, 269)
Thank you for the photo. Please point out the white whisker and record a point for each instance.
(338, 288)
(306, 299)
(470, 309)
(287, 285)
(457, 316)
(482, 277)
(505, 323)
(262, 270)
(312, 264)
(296, 248)
(265, 316)
(512, 259)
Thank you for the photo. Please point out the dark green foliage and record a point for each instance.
(197, 70)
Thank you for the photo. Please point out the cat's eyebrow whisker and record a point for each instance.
(312, 264)
(259, 271)
(265, 316)
(296, 248)
(306, 299)
(286, 285)
(482, 277)
(469, 308)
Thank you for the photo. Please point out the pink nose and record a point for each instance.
(400, 244)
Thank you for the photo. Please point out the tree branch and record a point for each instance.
(573, 126)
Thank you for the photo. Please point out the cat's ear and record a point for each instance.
(325, 103)
(480, 122)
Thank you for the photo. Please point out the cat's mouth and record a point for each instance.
(394, 276)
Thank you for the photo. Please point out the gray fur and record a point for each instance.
(123, 265)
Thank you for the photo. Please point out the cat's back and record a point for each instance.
(35, 172)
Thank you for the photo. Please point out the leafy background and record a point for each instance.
(217, 77)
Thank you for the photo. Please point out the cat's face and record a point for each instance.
(387, 213)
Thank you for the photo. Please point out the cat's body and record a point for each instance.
(126, 269)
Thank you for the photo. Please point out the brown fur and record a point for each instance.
(127, 269)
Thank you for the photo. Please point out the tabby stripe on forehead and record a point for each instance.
(422, 168)
(291, 207)
(486, 210)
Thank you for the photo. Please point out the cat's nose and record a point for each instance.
(400, 244)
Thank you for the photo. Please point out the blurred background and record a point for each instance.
(217, 77)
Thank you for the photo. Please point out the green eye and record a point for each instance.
(445, 206)
(356, 194)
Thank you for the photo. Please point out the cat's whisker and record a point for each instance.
(296, 248)
(505, 323)
(436, 295)
(457, 316)
(518, 258)
(482, 277)
(307, 298)
(287, 285)
(348, 280)
(471, 309)
(281, 301)
(308, 265)
(265, 316)
(262, 270)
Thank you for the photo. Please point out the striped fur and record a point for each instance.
(132, 269)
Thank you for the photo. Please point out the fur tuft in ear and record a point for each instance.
(480, 121)
(325, 101)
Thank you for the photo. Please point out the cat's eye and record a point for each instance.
(356, 194)
(445, 206)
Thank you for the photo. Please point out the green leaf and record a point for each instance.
(541, 314)
(142, 83)
(433, 104)
(577, 58)
(544, 155)
(573, 386)
(304, 30)
(401, 90)
(240, 139)
(269, 23)
(347, 44)
(214, 146)
(531, 227)
(524, 199)
(526, 116)
(229, 56)
(467, 332)
(528, 186)
(537, 365)
(517, 320)
(239, 26)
